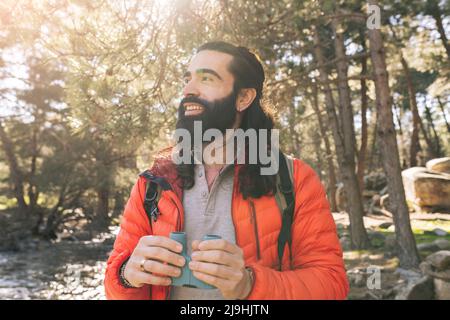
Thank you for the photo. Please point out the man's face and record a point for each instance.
(208, 94)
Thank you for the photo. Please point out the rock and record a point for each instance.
(388, 294)
(440, 260)
(20, 293)
(357, 280)
(442, 244)
(416, 289)
(441, 165)
(440, 232)
(425, 189)
(385, 225)
(358, 296)
(428, 246)
(441, 289)
(429, 270)
(408, 275)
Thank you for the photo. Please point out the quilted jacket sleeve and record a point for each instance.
(319, 271)
(134, 225)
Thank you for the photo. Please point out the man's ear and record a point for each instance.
(245, 98)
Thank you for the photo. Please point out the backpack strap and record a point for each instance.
(153, 187)
(286, 203)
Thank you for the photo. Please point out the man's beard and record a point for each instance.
(218, 114)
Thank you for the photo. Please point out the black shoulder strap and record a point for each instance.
(153, 188)
(286, 187)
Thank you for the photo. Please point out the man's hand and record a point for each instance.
(221, 264)
(154, 253)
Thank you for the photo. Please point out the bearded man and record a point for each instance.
(223, 87)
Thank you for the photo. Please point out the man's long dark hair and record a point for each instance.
(248, 73)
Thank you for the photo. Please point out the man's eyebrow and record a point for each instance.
(203, 70)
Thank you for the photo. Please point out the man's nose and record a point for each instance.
(190, 89)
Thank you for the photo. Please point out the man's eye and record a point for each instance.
(185, 80)
(206, 78)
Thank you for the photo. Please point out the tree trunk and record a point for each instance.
(364, 102)
(436, 145)
(440, 27)
(101, 217)
(119, 204)
(332, 181)
(316, 143)
(406, 244)
(441, 105)
(414, 143)
(33, 192)
(417, 121)
(373, 145)
(293, 134)
(346, 155)
(402, 137)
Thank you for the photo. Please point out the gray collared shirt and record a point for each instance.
(207, 212)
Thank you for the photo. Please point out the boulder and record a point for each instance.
(437, 266)
(442, 244)
(426, 190)
(441, 289)
(440, 260)
(440, 165)
(440, 232)
(417, 289)
(429, 270)
(428, 246)
(436, 232)
(356, 277)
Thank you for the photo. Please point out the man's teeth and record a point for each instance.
(192, 107)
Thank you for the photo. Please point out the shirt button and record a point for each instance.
(204, 194)
(200, 174)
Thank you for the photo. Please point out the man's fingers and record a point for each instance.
(218, 256)
(195, 244)
(220, 244)
(217, 270)
(163, 242)
(214, 281)
(163, 255)
(147, 278)
(160, 268)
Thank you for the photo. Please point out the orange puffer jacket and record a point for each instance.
(316, 270)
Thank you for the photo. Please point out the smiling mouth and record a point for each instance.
(192, 109)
